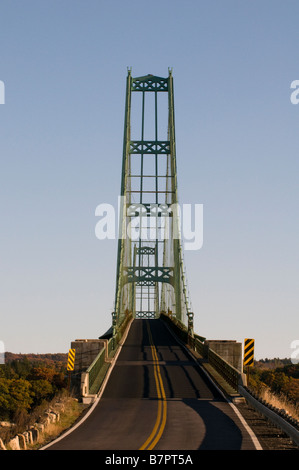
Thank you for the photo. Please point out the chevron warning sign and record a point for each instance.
(71, 359)
(248, 352)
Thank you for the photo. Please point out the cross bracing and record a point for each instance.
(150, 273)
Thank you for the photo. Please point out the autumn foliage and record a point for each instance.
(283, 379)
(25, 384)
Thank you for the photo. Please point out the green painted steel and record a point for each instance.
(94, 371)
(150, 276)
(98, 368)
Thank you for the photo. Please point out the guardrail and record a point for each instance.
(235, 378)
(197, 343)
(232, 376)
(291, 429)
(179, 328)
(121, 329)
(93, 377)
(94, 370)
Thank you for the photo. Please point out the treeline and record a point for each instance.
(280, 380)
(25, 384)
(53, 359)
(272, 363)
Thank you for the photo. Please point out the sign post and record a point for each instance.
(70, 365)
(248, 355)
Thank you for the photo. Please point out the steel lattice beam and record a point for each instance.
(150, 275)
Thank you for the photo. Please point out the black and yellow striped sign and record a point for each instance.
(248, 352)
(71, 359)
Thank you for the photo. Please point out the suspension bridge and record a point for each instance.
(153, 383)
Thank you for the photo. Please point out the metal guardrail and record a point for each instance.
(110, 347)
(197, 343)
(229, 373)
(121, 329)
(199, 346)
(179, 328)
(91, 379)
(232, 376)
(235, 379)
(271, 415)
(94, 370)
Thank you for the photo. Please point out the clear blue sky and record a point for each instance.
(64, 66)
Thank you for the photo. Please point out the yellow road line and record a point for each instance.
(160, 423)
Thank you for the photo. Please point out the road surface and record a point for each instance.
(158, 398)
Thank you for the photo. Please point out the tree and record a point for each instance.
(42, 373)
(4, 399)
(293, 390)
(59, 380)
(20, 394)
(15, 394)
(267, 376)
(41, 390)
(21, 367)
(280, 382)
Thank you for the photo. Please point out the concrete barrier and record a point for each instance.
(35, 433)
(22, 442)
(86, 351)
(14, 443)
(2, 446)
(28, 437)
(229, 350)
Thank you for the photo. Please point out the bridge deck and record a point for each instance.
(158, 398)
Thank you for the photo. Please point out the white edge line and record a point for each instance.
(95, 403)
(246, 426)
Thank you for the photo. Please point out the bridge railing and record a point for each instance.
(92, 378)
(94, 375)
(179, 328)
(230, 374)
(122, 328)
(94, 370)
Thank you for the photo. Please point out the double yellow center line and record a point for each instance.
(162, 403)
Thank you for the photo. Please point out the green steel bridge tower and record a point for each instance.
(150, 277)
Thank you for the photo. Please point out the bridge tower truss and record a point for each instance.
(150, 276)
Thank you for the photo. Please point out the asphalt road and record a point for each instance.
(158, 398)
